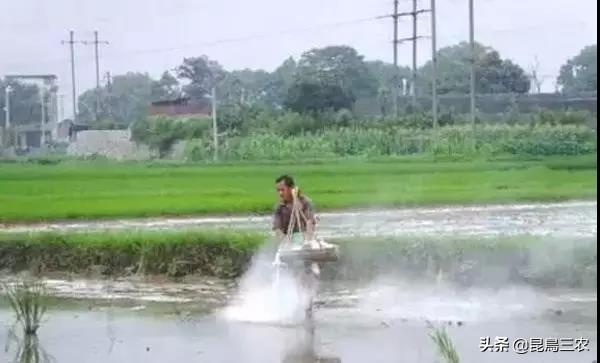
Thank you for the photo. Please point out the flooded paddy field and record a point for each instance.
(545, 219)
(385, 318)
(378, 323)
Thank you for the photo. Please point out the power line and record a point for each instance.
(260, 36)
(227, 40)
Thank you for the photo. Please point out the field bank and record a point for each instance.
(543, 261)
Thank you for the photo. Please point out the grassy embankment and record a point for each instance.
(67, 190)
(534, 260)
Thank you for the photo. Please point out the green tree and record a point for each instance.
(316, 97)
(580, 73)
(493, 74)
(161, 133)
(125, 99)
(166, 88)
(387, 78)
(244, 87)
(280, 82)
(384, 74)
(339, 66)
(24, 103)
(201, 75)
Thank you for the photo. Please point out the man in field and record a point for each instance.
(299, 232)
(303, 229)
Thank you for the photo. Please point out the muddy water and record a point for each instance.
(384, 320)
(556, 219)
(377, 323)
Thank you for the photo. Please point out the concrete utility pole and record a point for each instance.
(434, 106)
(396, 75)
(414, 55)
(396, 15)
(96, 42)
(472, 44)
(71, 43)
(7, 132)
(61, 107)
(214, 121)
(43, 118)
(7, 91)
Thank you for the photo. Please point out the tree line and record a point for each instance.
(322, 79)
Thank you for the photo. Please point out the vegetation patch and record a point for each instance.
(538, 261)
(175, 253)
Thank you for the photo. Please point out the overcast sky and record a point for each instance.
(154, 35)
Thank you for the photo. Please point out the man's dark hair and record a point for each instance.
(287, 180)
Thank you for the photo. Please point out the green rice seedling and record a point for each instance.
(29, 350)
(444, 345)
(29, 302)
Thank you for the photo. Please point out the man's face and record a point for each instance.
(285, 192)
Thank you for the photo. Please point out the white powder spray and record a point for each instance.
(268, 294)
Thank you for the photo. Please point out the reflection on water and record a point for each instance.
(303, 350)
(28, 349)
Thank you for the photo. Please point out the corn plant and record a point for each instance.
(356, 141)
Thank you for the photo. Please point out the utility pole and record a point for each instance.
(434, 106)
(395, 78)
(7, 132)
(214, 122)
(61, 107)
(71, 43)
(43, 119)
(472, 44)
(109, 95)
(396, 15)
(414, 56)
(7, 91)
(96, 42)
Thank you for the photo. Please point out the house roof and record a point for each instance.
(180, 106)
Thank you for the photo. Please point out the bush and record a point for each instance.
(161, 133)
(577, 118)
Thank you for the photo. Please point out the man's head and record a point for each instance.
(285, 184)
